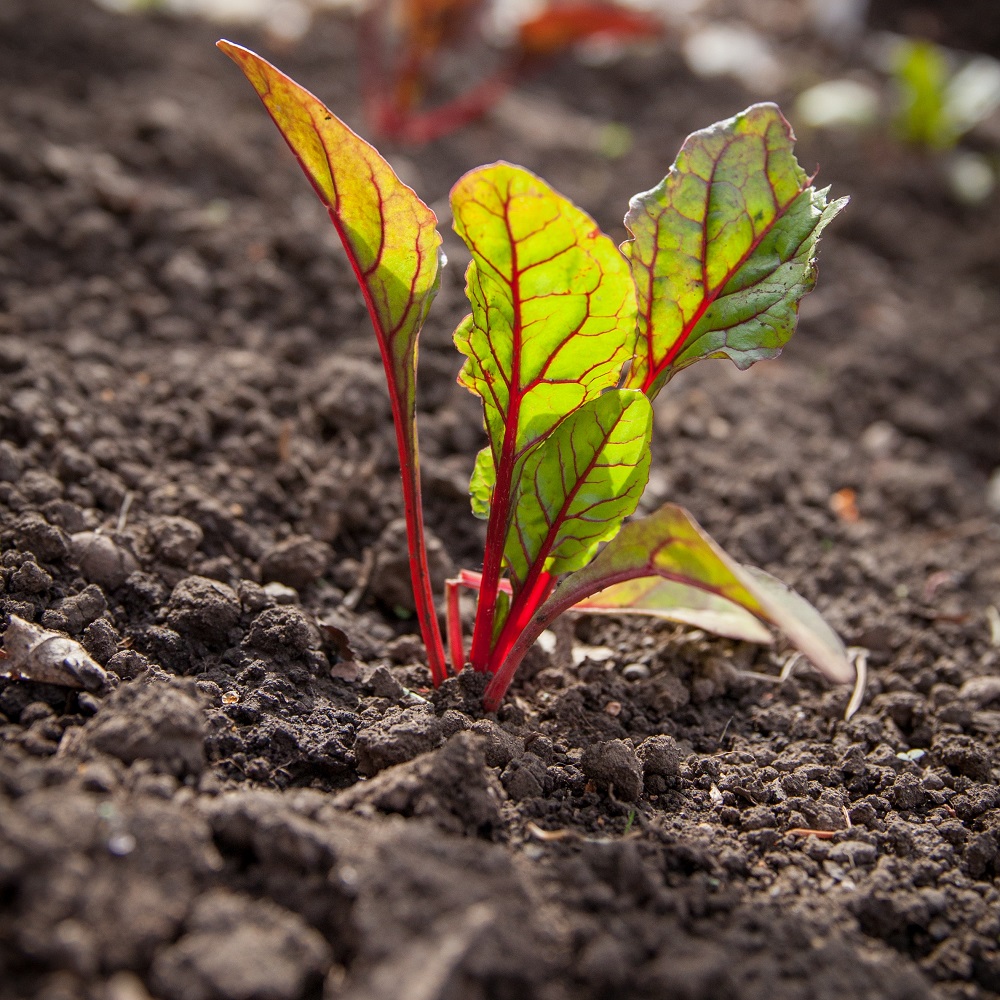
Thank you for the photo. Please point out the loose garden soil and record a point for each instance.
(197, 482)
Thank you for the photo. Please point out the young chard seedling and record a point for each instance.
(568, 341)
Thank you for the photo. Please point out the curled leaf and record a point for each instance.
(677, 602)
(670, 545)
(34, 653)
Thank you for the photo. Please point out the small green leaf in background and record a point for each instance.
(553, 306)
(579, 484)
(921, 76)
(722, 249)
(936, 107)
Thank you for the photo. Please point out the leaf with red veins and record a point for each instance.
(670, 545)
(578, 485)
(723, 248)
(389, 234)
(392, 243)
(552, 324)
(553, 308)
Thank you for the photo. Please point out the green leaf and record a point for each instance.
(579, 484)
(553, 307)
(677, 602)
(670, 545)
(393, 246)
(722, 248)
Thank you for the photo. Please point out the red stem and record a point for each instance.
(538, 583)
(390, 108)
(456, 645)
(423, 592)
(496, 529)
(540, 620)
(447, 118)
(528, 601)
(409, 470)
(404, 420)
(482, 634)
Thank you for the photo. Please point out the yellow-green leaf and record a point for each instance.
(553, 306)
(389, 234)
(393, 246)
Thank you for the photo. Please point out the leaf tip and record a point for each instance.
(231, 49)
(243, 57)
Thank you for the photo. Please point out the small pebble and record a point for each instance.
(281, 594)
(346, 670)
(635, 672)
(614, 764)
(121, 844)
(101, 560)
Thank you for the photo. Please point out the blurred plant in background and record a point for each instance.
(430, 66)
(405, 43)
(926, 97)
(937, 104)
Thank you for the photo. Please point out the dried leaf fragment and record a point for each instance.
(33, 653)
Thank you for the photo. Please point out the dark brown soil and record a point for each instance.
(186, 370)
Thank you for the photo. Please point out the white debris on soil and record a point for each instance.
(993, 491)
(838, 103)
(735, 50)
(42, 655)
